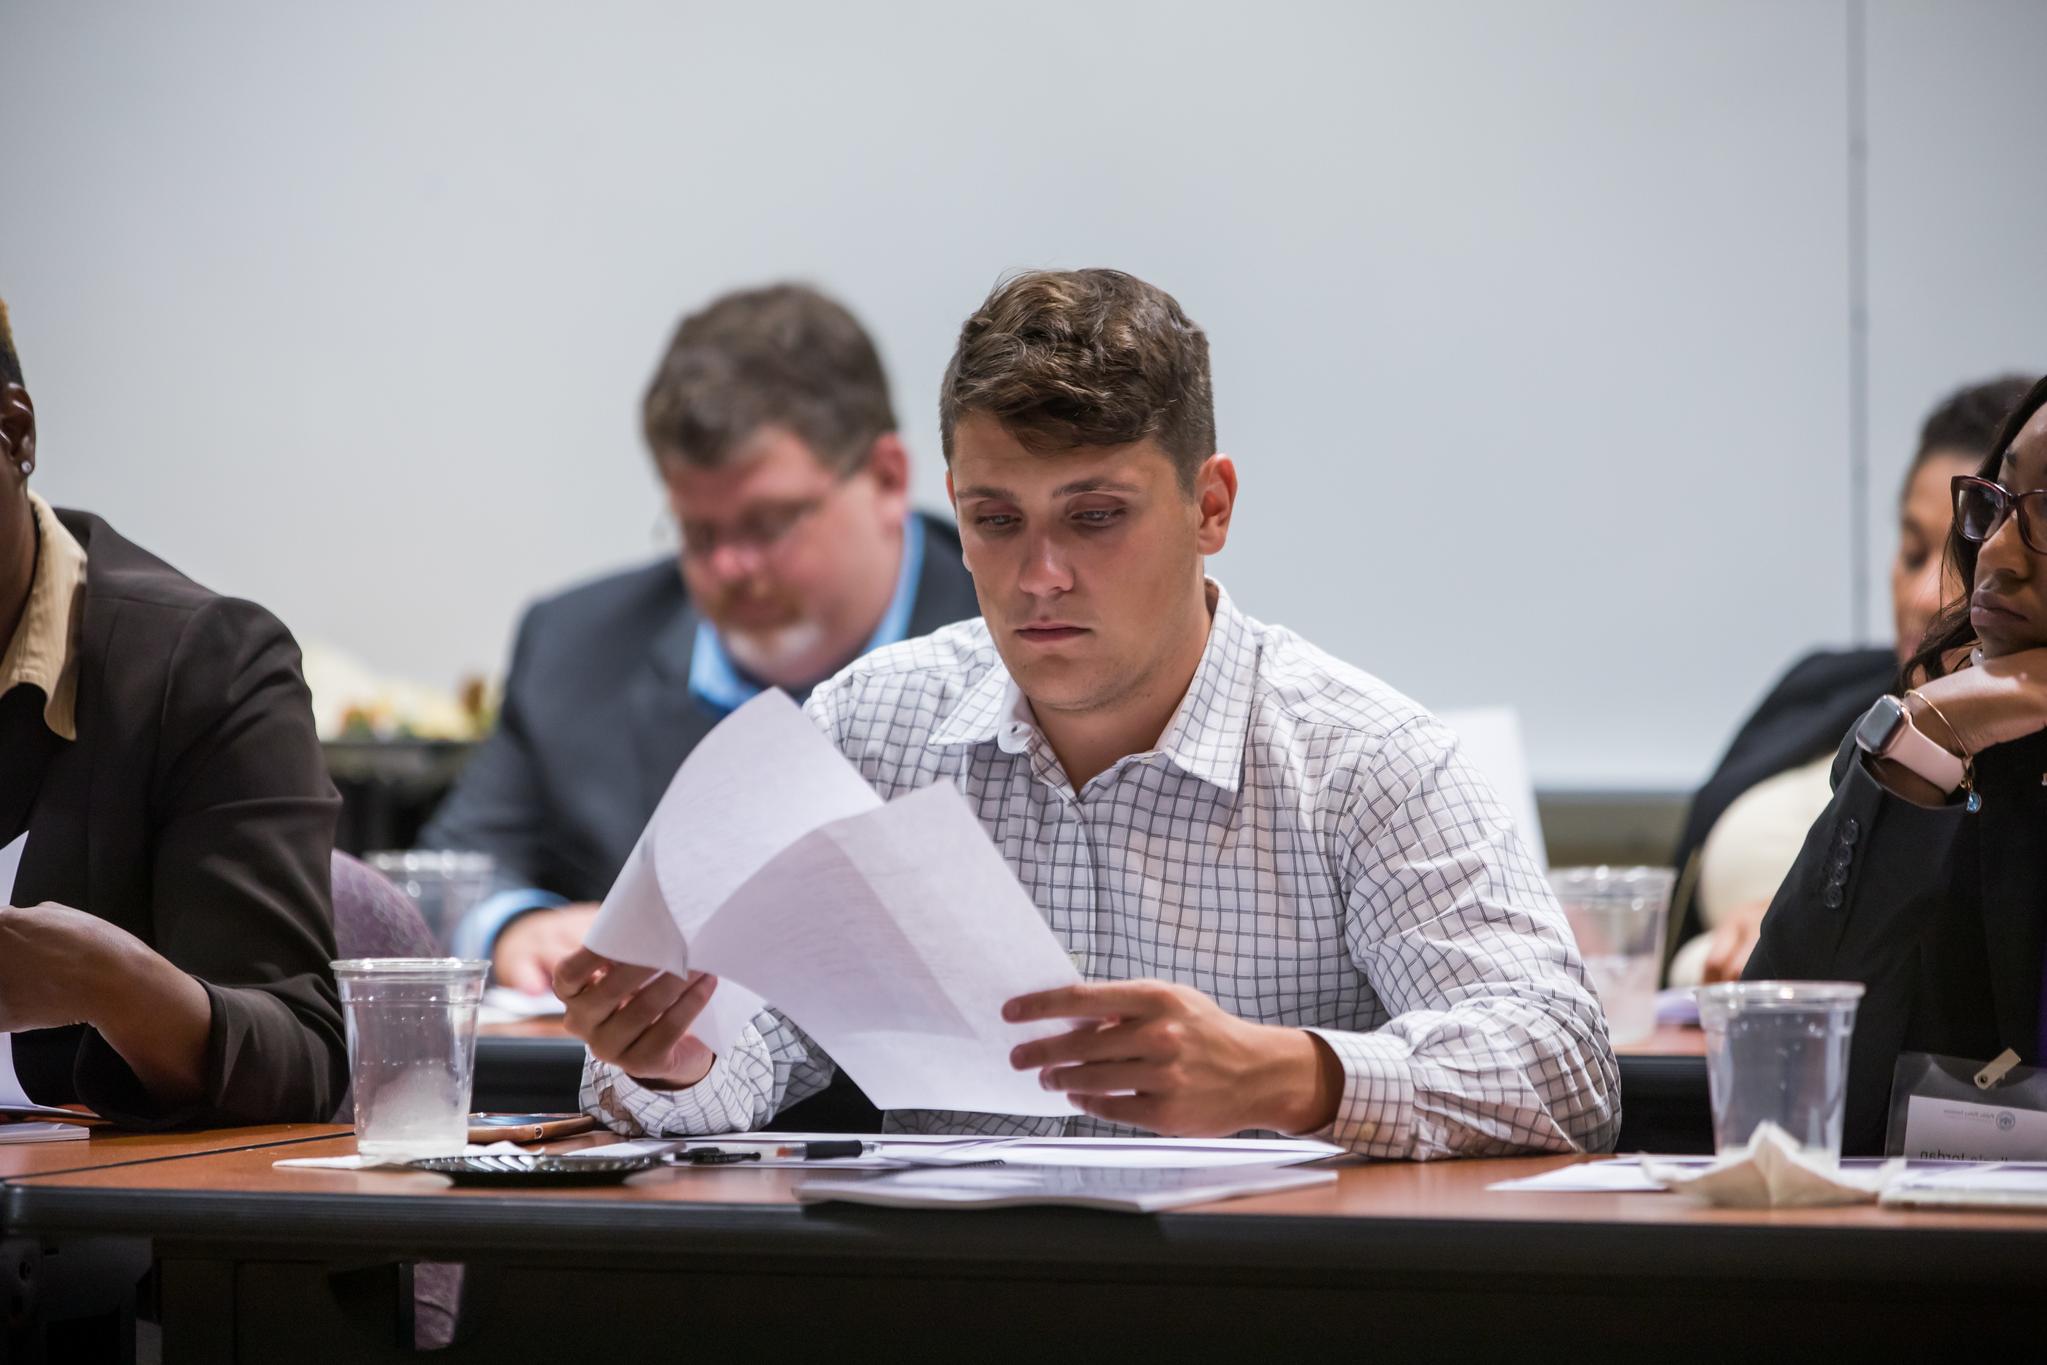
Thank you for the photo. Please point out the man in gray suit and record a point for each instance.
(770, 425)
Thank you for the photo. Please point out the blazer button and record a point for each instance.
(1850, 831)
(1832, 897)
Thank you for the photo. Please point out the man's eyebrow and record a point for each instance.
(1065, 490)
(1095, 485)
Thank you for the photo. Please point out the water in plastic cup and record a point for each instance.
(412, 1046)
(444, 883)
(1778, 1050)
(1617, 914)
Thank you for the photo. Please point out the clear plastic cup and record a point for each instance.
(444, 883)
(412, 1046)
(1777, 1051)
(1617, 914)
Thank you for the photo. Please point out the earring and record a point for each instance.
(28, 467)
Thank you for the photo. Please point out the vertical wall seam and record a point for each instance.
(1858, 322)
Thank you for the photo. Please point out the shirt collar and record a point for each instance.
(1205, 738)
(40, 654)
(715, 680)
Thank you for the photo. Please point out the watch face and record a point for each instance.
(1879, 726)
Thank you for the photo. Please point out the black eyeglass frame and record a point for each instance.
(2031, 507)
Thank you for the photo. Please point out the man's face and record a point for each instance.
(1087, 562)
(785, 557)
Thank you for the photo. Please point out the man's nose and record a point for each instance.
(1045, 570)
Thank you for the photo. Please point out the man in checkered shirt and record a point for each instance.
(1296, 905)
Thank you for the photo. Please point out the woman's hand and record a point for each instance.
(1985, 704)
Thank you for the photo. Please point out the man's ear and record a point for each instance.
(17, 427)
(888, 459)
(1215, 497)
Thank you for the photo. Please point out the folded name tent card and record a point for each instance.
(890, 933)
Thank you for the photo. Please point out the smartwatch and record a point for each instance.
(1886, 731)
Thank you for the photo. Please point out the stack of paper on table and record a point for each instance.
(1122, 1189)
(892, 934)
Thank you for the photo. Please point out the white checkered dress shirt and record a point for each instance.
(1305, 845)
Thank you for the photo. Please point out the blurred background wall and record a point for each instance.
(1571, 353)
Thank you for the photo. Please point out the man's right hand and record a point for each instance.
(637, 1018)
(530, 948)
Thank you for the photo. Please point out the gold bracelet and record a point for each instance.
(1972, 802)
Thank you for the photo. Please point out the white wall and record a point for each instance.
(1530, 321)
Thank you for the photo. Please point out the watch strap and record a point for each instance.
(1916, 753)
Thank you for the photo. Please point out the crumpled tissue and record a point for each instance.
(1771, 1172)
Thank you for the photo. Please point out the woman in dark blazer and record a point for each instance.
(1743, 829)
(164, 951)
(1940, 910)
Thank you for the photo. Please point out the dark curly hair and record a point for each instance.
(1967, 420)
(10, 363)
(1950, 633)
(1066, 358)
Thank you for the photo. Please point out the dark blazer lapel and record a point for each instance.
(2014, 787)
(667, 720)
(945, 590)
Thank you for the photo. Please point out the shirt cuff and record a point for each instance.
(1376, 1115)
(724, 1101)
(477, 935)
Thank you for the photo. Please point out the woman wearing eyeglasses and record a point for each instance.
(1744, 827)
(1926, 878)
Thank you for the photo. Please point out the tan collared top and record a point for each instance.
(40, 654)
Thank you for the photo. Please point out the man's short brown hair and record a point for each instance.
(1066, 358)
(785, 356)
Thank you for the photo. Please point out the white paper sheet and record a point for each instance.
(1154, 1153)
(10, 1085)
(1621, 1176)
(1120, 1190)
(892, 934)
(503, 1005)
(894, 1149)
(1997, 1185)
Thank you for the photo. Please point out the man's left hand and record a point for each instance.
(1165, 1057)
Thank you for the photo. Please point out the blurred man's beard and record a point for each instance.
(765, 653)
(751, 610)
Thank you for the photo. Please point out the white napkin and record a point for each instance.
(358, 1162)
(1772, 1173)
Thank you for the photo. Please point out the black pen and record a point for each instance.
(785, 1151)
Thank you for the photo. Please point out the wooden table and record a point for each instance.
(65, 1298)
(1394, 1261)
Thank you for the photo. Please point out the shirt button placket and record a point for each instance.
(1076, 887)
